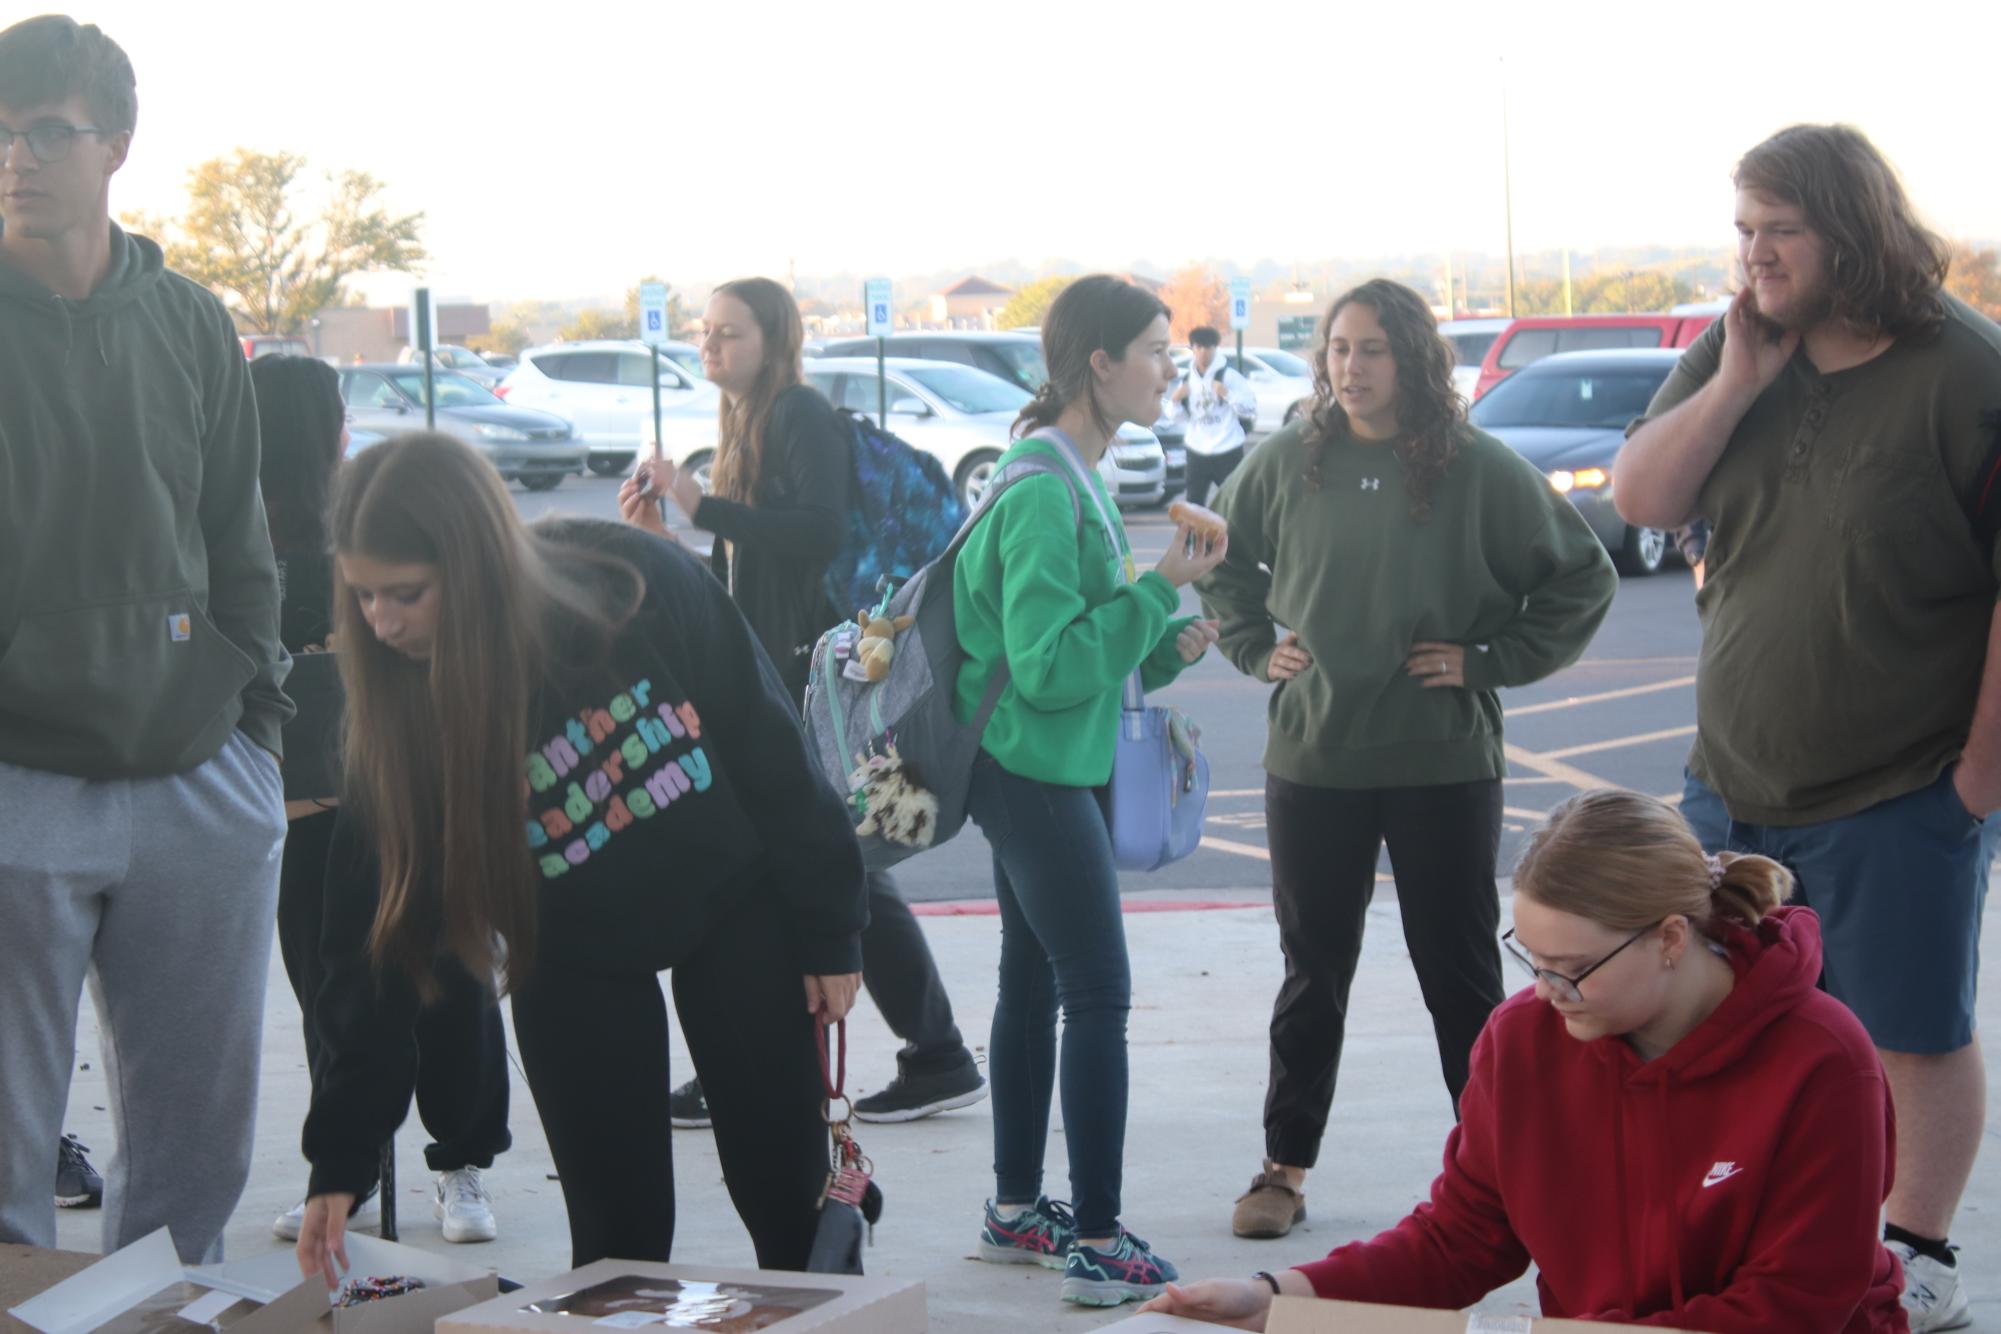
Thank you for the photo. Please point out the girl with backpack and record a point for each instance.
(1046, 585)
(1673, 1123)
(778, 504)
(1417, 566)
(568, 762)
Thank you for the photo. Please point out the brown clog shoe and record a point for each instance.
(1268, 1209)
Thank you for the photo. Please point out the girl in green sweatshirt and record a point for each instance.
(1054, 595)
(1417, 565)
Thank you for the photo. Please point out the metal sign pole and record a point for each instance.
(882, 382)
(423, 333)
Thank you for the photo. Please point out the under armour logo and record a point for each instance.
(1372, 483)
(1719, 1174)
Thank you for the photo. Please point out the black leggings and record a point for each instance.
(595, 1050)
(1324, 842)
(461, 1044)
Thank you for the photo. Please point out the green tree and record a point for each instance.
(1030, 304)
(251, 236)
(599, 323)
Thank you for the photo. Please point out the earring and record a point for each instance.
(1667, 962)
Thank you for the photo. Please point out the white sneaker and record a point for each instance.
(286, 1226)
(1932, 1296)
(462, 1205)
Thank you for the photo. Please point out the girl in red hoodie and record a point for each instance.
(1673, 1124)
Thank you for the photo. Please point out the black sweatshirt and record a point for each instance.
(785, 541)
(674, 782)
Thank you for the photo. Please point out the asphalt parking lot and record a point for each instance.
(1622, 716)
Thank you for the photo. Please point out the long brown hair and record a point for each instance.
(1627, 861)
(1885, 268)
(1097, 313)
(433, 751)
(1429, 410)
(741, 425)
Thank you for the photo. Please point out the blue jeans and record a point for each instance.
(1899, 888)
(1063, 942)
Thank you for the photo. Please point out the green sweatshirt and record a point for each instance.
(1038, 587)
(1503, 565)
(138, 592)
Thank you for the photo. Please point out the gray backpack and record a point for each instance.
(894, 746)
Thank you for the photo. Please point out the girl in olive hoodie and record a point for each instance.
(1674, 1125)
(1054, 595)
(1417, 565)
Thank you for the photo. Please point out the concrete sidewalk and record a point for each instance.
(1203, 985)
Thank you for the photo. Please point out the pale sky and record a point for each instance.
(563, 150)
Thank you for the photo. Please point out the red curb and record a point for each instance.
(989, 908)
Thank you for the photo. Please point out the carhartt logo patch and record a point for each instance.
(1372, 483)
(1719, 1174)
(180, 627)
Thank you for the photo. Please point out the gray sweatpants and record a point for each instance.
(164, 891)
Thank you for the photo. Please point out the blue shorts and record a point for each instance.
(1899, 888)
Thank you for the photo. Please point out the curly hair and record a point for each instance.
(1885, 267)
(1429, 409)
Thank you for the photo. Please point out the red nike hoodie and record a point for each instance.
(1734, 1184)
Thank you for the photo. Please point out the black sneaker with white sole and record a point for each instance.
(913, 1095)
(78, 1186)
(687, 1108)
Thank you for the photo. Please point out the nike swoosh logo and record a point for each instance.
(1713, 1179)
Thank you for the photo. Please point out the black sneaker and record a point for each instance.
(687, 1108)
(78, 1186)
(912, 1096)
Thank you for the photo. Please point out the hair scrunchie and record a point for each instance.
(1716, 869)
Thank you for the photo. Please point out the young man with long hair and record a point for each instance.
(1418, 565)
(1838, 428)
(141, 808)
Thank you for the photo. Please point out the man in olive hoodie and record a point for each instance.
(140, 806)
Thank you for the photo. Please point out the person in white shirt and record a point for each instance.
(1212, 399)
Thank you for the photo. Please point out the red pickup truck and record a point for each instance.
(1534, 337)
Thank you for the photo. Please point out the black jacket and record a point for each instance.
(667, 782)
(784, 542)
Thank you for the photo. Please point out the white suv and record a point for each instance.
(606, 390)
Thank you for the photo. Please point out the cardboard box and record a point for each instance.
(661, 1298)
(144, 1289)
(1304, 1315)
(1154, 1323)
(450, 1285)
(29, 1271)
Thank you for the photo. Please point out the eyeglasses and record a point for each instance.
(1566, 988)
(49, 140)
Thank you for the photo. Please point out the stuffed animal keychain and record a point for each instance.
(876, 648)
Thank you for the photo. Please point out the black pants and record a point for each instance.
(1324, 841)
(1204, 469)
(595, 1050)
(461, 1045)
(902, 979)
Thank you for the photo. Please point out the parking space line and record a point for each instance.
(1577, 700)
(1620, 743)
(1556, 769)
(1521, 814)
(1239, 849)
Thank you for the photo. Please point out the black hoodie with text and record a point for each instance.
(667, 784)
(138, 593)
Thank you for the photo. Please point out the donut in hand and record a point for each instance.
(1206, 523)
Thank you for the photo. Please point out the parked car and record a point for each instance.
(1567, 414)
(1470, 340)
(1528, 340)
(452, 357)
(962, 416)
(605, 388)
(686, 356)
(257, 346)
(500, 361)
(1015, 356)
(537, 448)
